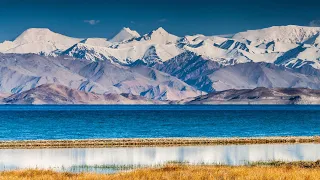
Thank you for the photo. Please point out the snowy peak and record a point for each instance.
(39, 41)
(158, 46)
(34, 34)
(124, 35)
(42, 35)
(160, 30)
(89, 52)
(284, 34)
(161, 36)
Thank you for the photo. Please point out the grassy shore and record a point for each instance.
(262, 170)
(138, 142)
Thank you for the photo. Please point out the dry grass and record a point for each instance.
(138, 142)
(266, 171)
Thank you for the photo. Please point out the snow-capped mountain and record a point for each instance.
(150, 48)
(272, 45)
(284, 34)
(159, 36)
(124, 35)
(159, 65)
(301, 55)
(38, 41)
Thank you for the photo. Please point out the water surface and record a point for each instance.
(73, 159)
(131, 121)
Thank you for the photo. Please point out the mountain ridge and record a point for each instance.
(161, 66)
(262, 45)
(259, 95)
(59, 94)
(21, 72)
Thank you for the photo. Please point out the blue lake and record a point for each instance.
(130, 121)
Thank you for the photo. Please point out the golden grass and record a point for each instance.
(183, 172)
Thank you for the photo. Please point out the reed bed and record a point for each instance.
(259, 171)
(302, 164)
(140, 142)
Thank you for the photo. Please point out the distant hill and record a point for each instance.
(59, 94)
(259, 96)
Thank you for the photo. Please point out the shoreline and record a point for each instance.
(151, 142)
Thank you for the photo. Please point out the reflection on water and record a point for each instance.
(148, 156)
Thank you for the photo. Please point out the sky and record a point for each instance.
(97, 18)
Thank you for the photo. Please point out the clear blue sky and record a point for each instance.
(176, 16)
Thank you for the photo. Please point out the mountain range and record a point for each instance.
(157, 67)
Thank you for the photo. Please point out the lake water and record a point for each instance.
(87, 122)
(73, 159)
(83, 122)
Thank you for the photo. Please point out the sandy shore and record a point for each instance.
(139, 142)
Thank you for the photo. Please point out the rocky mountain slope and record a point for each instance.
(21, 72)
(259, 96)
(58, 94)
